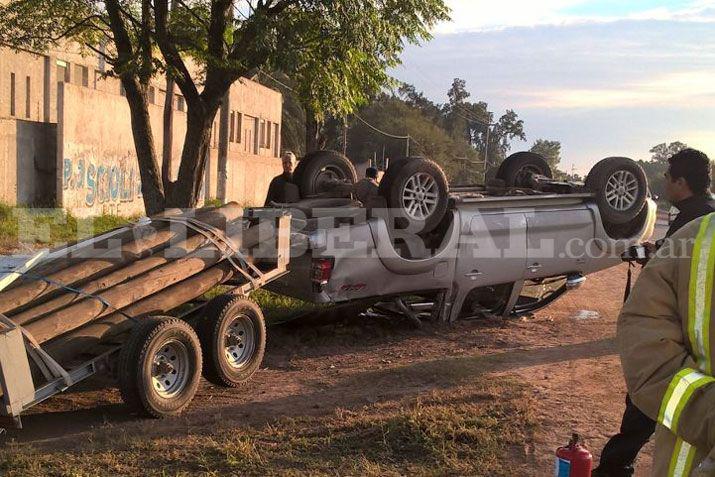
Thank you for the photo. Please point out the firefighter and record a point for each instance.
(664, 338)
(687, 187)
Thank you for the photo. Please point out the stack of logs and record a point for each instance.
(73, 304)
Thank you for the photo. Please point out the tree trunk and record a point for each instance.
(312, 132)
(152, 188)
(185, 191)
(168, 137)
(222, 175)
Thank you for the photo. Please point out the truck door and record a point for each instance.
(557, 241)
(492, 249)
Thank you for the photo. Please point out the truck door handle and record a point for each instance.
(473, 274)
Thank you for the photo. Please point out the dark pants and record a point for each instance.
(621, 450)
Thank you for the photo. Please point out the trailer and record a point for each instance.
(157, 359)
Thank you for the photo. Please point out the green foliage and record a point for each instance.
(657, 166)
(454, 135)
(428, 139)
(336, 53)
(550, 150)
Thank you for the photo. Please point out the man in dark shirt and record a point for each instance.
(687, 187)
(282, 189)
(367, 188)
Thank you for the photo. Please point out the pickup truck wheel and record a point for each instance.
(159, 367)
(393, 170)
(417, 195)
(233, 340)
(517, 169)
(621, 189)
(317, 171)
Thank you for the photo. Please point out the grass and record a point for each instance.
(279, 308)
(276, 308)
(50, 227)
(465, 431)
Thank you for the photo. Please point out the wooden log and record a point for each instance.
(129, 272)
(125, 294)
(147, 240)
(82, 340)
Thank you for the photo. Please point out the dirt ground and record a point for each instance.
(564, 355)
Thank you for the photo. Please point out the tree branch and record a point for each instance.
(171, 54)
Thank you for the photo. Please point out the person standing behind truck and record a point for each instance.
(664, 338)
(282, 190)
(367, 188)
(687, 187)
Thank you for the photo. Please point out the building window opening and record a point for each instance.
(152, 95)
(239, 126)
(232, 127)
(180, 104)
(63, 72)
(27, 97)
(12, 94)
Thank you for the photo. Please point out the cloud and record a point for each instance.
(483, 15)
(601, 88)
(687, 89)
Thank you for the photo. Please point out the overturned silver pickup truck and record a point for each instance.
(421, 248)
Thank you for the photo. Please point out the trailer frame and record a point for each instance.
(18, 347)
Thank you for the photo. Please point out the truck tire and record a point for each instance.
(517, 169)
(393, 170)
(317, 169)
(160, 367)
(417, 194)
(233, 339)
(621, 189)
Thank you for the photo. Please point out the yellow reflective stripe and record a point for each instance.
(700, 293)
(707, 309)
(679, 392)
(681, 463)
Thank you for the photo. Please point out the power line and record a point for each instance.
(379, 130)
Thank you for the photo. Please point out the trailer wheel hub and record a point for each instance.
(170, 369)
(239, 341)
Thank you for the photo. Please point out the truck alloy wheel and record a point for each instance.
(420, 195)
(621, 189)
(417, 194)
(233, 340)
(518, 169)
(159, 367)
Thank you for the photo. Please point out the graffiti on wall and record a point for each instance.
(115, 180)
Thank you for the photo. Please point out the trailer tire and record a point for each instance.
(159, 367)
(233, 339)
(317, 168)
(517, 169)
(417, 194)
(621, 189)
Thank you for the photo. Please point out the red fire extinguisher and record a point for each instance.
(574, 460)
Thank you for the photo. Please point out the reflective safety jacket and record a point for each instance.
(666, 338)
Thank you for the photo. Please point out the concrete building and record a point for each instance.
(66, 140)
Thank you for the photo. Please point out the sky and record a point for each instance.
(603, 77)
